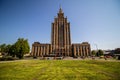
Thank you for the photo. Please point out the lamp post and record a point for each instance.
(97, 49)
(96, 46)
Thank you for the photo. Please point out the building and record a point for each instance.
(61, 41)
(108, 52)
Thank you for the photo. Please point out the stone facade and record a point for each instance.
(61, 41)
(82, 49)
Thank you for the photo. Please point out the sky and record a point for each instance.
(94, 21)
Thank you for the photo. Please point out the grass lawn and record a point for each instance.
(60, 70)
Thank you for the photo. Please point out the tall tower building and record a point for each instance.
(61, 41)
(60, 35)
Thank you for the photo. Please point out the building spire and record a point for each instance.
(60, 10)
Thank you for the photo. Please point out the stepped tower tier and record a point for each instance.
(60, 35)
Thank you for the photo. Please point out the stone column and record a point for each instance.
(67, 38)
(78, 50)
(44, 49)
(51, 49)
(66, 45)
(32, 52)
(74, 50)
(41, 51)
(84, 50)
(38, 51)
(87, 50)
(47, 49)
(81, 51)
(69, 34)
(57, 35)
(52, 34)
(54, 37)
(35, 51)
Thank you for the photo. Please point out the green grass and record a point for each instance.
(60, 70)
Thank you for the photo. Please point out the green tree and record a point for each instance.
(12, 51)
(3, 48)
(7, 49)
(93, 52)
(21, 47)
(100, 52)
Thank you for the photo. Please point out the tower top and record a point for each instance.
(60, 10)
(60, 13)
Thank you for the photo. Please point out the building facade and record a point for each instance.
(61, 41)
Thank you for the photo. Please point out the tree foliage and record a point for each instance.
(100, 52)
(18, 49)
(7, 49)
(3, 48)
(93, 52)
(12, 51)
(21, 47)
(97, 53)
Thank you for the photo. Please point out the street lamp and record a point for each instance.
(96, 46)
(97, 49)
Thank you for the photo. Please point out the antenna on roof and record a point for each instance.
(60, 9)
(60, 6)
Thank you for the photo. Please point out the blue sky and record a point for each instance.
(95, 21)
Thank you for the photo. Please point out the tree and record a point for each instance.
(2, 48)
(7, 49)
(21, 47)
(99, 52)
(18, 49)
(12, 50)
(93, 52)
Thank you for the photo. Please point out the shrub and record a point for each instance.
(7, 58)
